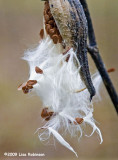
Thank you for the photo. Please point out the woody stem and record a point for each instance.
(94, 52)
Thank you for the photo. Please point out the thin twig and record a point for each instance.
(94, 52)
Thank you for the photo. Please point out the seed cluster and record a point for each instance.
(26, 87)
(50, 25)
(47, 116)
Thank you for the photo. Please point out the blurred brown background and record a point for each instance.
(20, 23)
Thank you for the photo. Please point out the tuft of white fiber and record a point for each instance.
(62, 91)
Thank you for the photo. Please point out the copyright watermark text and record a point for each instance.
(15, 154)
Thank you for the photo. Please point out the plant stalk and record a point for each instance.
(94, 52)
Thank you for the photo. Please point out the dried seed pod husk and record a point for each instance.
(72, 24)
(61, 14)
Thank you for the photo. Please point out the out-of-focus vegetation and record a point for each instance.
(20, 23)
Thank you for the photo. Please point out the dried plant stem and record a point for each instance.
(94, 52)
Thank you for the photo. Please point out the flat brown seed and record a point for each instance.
(41, 33)
(55, 25)
(60, 39)
(79, 120)
(25, 90)
(47, 18)
(51, 17)
(51, 113)
(48, 27)
(111, 70)
(55, 39)
(31, 82)
(52, 32)
(67, 59)
(57, 31)
(29, 86)
(48, 118)
(46, 3)
(51, 22)
(47, 7)
(38, 70)
(44, 113)
(45, 12)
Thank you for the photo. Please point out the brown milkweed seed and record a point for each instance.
(44, 113)
(51, 22)
(50, 16)
(29, 86)
(51, 113)
(38, 70)
(67, 59)
(41, 33)
(60, 39)
(47, 7)
(78, 120)
(47, 18)
(52, 32)
(55, 39)
(47, 119)
(31, 82)
(57, 31)
(111, 70)
(48, 27)
(25, 89)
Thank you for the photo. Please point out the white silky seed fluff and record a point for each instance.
(57, 88)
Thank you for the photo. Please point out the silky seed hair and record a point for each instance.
(55, 77)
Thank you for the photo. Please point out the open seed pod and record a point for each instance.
(59, 72)
(65, 22)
